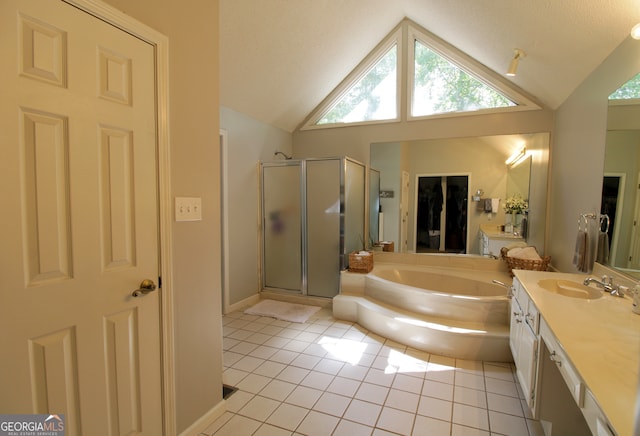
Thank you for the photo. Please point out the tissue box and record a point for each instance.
(360, 262)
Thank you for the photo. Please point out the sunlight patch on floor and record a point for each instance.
(345, 350)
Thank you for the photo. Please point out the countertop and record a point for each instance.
(493, 231)
(601, 337)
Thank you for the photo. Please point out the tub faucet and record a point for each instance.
(509, 287)
(606, 284)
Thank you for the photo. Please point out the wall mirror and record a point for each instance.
(621, 188)
(482, 160)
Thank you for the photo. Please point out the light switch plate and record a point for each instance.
(188, 209)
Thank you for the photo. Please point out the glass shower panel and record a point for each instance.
(282, 215)
(354, 213)
(323, 227)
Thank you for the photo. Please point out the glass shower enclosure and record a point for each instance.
(313, 213)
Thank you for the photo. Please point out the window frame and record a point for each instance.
(467, 64)
(403, 36)
(334, 98)
(623, 101)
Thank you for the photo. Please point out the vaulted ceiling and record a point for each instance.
(280, 58)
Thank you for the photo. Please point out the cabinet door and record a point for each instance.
(515, 328)
(484, 244)
(523, 341)
(526, 362)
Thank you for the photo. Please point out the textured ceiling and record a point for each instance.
(280, 58)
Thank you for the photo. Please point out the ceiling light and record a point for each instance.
(513, 66)
(635, 31)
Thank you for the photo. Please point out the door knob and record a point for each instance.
(146, 286)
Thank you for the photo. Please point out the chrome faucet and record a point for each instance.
(606, 284)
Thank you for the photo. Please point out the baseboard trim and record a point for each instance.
(281, 296)
(243, 304)
(297, 299)
(206, 420)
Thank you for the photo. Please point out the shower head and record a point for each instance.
(285, 156)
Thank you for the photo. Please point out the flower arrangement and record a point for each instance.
(515, 204)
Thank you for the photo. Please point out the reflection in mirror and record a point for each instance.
(441, 215)
(620, 189)
(518, 177)
(619, 247)
(483, 160)
(374, 206)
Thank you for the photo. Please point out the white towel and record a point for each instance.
(495, 205)
(526, 253)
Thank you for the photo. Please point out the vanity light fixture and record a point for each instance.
(635, 31)
(478, 195)
(513, 66)
(516, 157)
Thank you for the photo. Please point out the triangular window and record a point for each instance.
(439, 87)
(628, 91)
(372, 98)
(415, 70)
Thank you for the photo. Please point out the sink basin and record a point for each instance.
(570, 289)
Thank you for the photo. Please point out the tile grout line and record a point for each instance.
(355, 333)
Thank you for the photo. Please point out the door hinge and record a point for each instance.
(159, 281)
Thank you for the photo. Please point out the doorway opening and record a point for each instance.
(609, 205)
(441, 214)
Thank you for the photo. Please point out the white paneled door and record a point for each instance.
(79, 228)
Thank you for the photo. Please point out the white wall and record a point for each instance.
(577, 152)
(249, 142)
(354, 140)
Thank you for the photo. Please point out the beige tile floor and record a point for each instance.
(331, 377)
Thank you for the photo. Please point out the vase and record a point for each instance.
(508, 223)
(517, 223)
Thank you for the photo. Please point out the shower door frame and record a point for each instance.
(341, 236)
(303, 230)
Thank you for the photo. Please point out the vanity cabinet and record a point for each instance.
(492, 240)
(543, 369)
(557, 355)
(523, 341)
(554, 355)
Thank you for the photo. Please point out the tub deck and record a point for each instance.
(463, 326)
